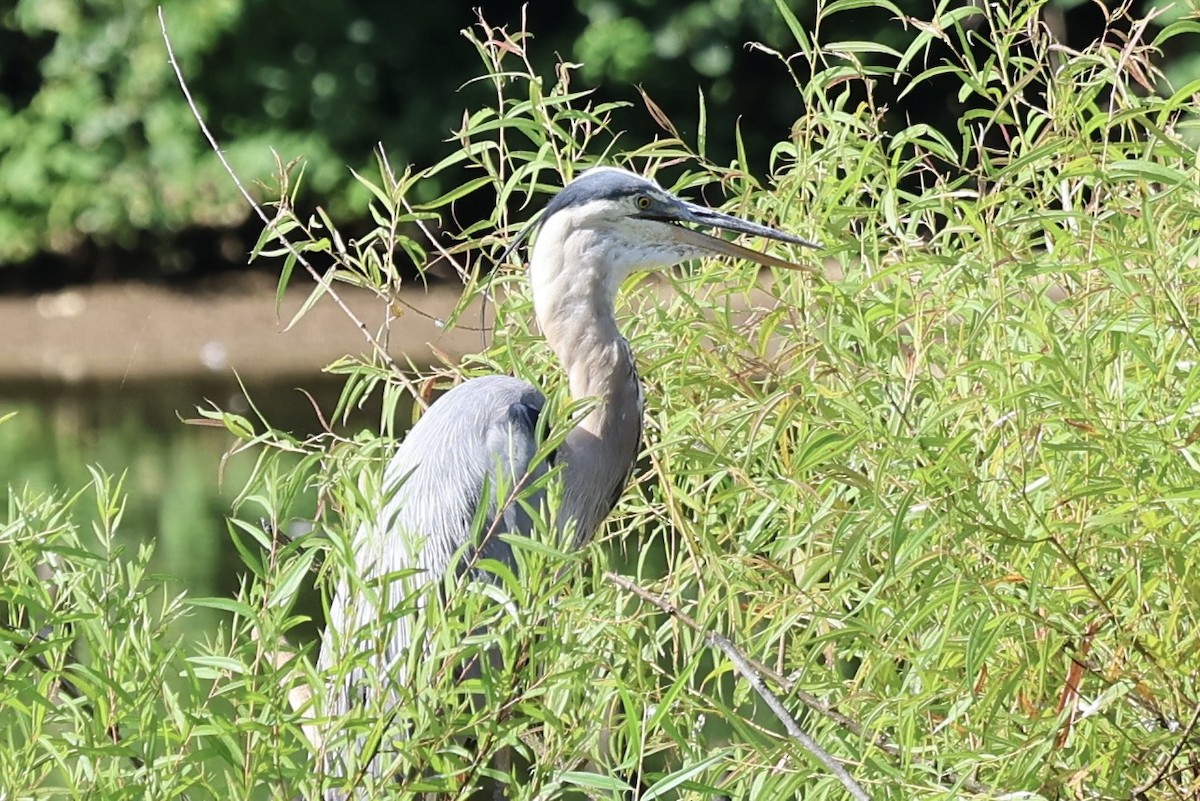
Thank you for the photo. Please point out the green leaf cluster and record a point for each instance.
(90, 149)
(99, 148)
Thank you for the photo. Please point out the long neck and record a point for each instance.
(576, 317)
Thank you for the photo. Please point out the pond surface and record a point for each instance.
(178, 485)
(105, 376)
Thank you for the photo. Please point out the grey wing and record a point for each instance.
(475, 442)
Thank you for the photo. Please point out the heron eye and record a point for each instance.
(643, 202)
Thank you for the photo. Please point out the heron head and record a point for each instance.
(611, 222)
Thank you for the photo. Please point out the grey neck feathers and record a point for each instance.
(577, 320)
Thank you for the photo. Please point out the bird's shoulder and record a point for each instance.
(497, 389)
(491, 399)
(472, 416)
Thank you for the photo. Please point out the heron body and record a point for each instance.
(599, 229)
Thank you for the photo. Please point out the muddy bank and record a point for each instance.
(113, 333)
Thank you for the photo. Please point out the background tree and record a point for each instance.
(100, 157)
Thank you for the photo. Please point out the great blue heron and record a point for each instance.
(603, 226)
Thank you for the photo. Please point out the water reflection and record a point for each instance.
(178, 493)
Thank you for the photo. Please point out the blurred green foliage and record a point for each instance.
(99, 147)
(94, 144)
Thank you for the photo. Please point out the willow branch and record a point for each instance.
(62, 683)
(753, 677)
(372, 340)
(1142, 789)
(812, 702)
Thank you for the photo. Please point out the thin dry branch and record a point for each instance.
(754, 677)
(372, 340)
(1141, 790)
(815, 704)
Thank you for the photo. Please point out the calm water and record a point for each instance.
(176, 493)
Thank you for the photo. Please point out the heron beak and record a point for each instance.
(700, 215)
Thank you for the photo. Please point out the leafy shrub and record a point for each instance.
(948, 488)
(90, 151)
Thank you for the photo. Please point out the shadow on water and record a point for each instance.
(178, 490)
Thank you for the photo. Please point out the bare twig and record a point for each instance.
(815, 704)
(372, 340)
(754, 677)
(1141, 790)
